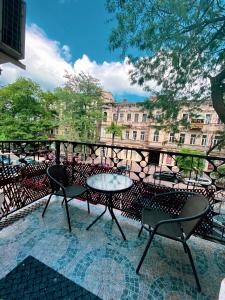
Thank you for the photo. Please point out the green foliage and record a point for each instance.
(220, 144)
(220, 182)
(25, 111)
(181, 46)
(80, 107)
(189, 164)
(221, 170)
(219, 176)
(115, 130)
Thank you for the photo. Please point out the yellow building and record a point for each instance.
(140, 132)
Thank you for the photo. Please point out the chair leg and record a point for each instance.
(67, 213)
(139, 234)
(193, 267)
(185, 249)
(88, 196)
(46, 205)
(88, 206)
(145, 252)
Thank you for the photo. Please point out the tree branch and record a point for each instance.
(207, 8)
(220, 7)
(219, 77)
(221, 141)
(217, 93)
(214, 37)
(204, 23)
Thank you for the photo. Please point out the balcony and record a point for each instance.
(197, 124)
(99, 259)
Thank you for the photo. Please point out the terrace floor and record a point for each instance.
(100, 261)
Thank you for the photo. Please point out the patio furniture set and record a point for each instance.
(176, 222)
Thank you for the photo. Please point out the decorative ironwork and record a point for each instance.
(23, 184)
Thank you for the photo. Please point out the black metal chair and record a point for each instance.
(179, 227)
(59, 180)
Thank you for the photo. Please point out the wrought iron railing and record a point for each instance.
(23, 178)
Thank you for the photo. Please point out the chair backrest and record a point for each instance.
(196, 206)
(58, 173)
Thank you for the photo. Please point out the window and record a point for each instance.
(182, 138)
(114, 117)
(204, 140)
(105, 116)
(121, 117)
(142, 137)
(136, 118)
(128, 117)
(193, 138)
(185, 117)
(157, 116)
(172, 137)
(216, 139)
(144, 118)
(127, 135)
(208, 118)
(56, 130)
(134, 135)
(156, 136)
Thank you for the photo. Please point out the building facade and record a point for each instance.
(201, 133)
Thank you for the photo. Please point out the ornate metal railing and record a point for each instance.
(23, 182)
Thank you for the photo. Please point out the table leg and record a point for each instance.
(111, 213)
(110, 205)
(97, 218)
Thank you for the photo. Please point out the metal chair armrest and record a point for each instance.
(179, 220)
(161, 195)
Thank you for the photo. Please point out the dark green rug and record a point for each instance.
(32, 279)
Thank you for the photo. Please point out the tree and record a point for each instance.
(25, 111)
(221, 170)
(115, 130)
(80, 107)
(189, 163)
(181, 46)
(219, 176)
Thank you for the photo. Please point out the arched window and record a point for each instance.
(142, 136)
(156, 136)
(105, 116)
(171, 137)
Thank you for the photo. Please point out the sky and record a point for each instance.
(72, 36)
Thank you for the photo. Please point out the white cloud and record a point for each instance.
(46, 62)
(114, 76)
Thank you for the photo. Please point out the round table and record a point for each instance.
(109, 184)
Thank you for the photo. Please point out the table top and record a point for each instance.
(107, 182)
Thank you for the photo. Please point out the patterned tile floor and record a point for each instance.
(103, 263)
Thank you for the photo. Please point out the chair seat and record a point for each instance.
(72, 191)
(152, 217)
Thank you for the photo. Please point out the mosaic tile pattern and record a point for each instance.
(102, 262)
